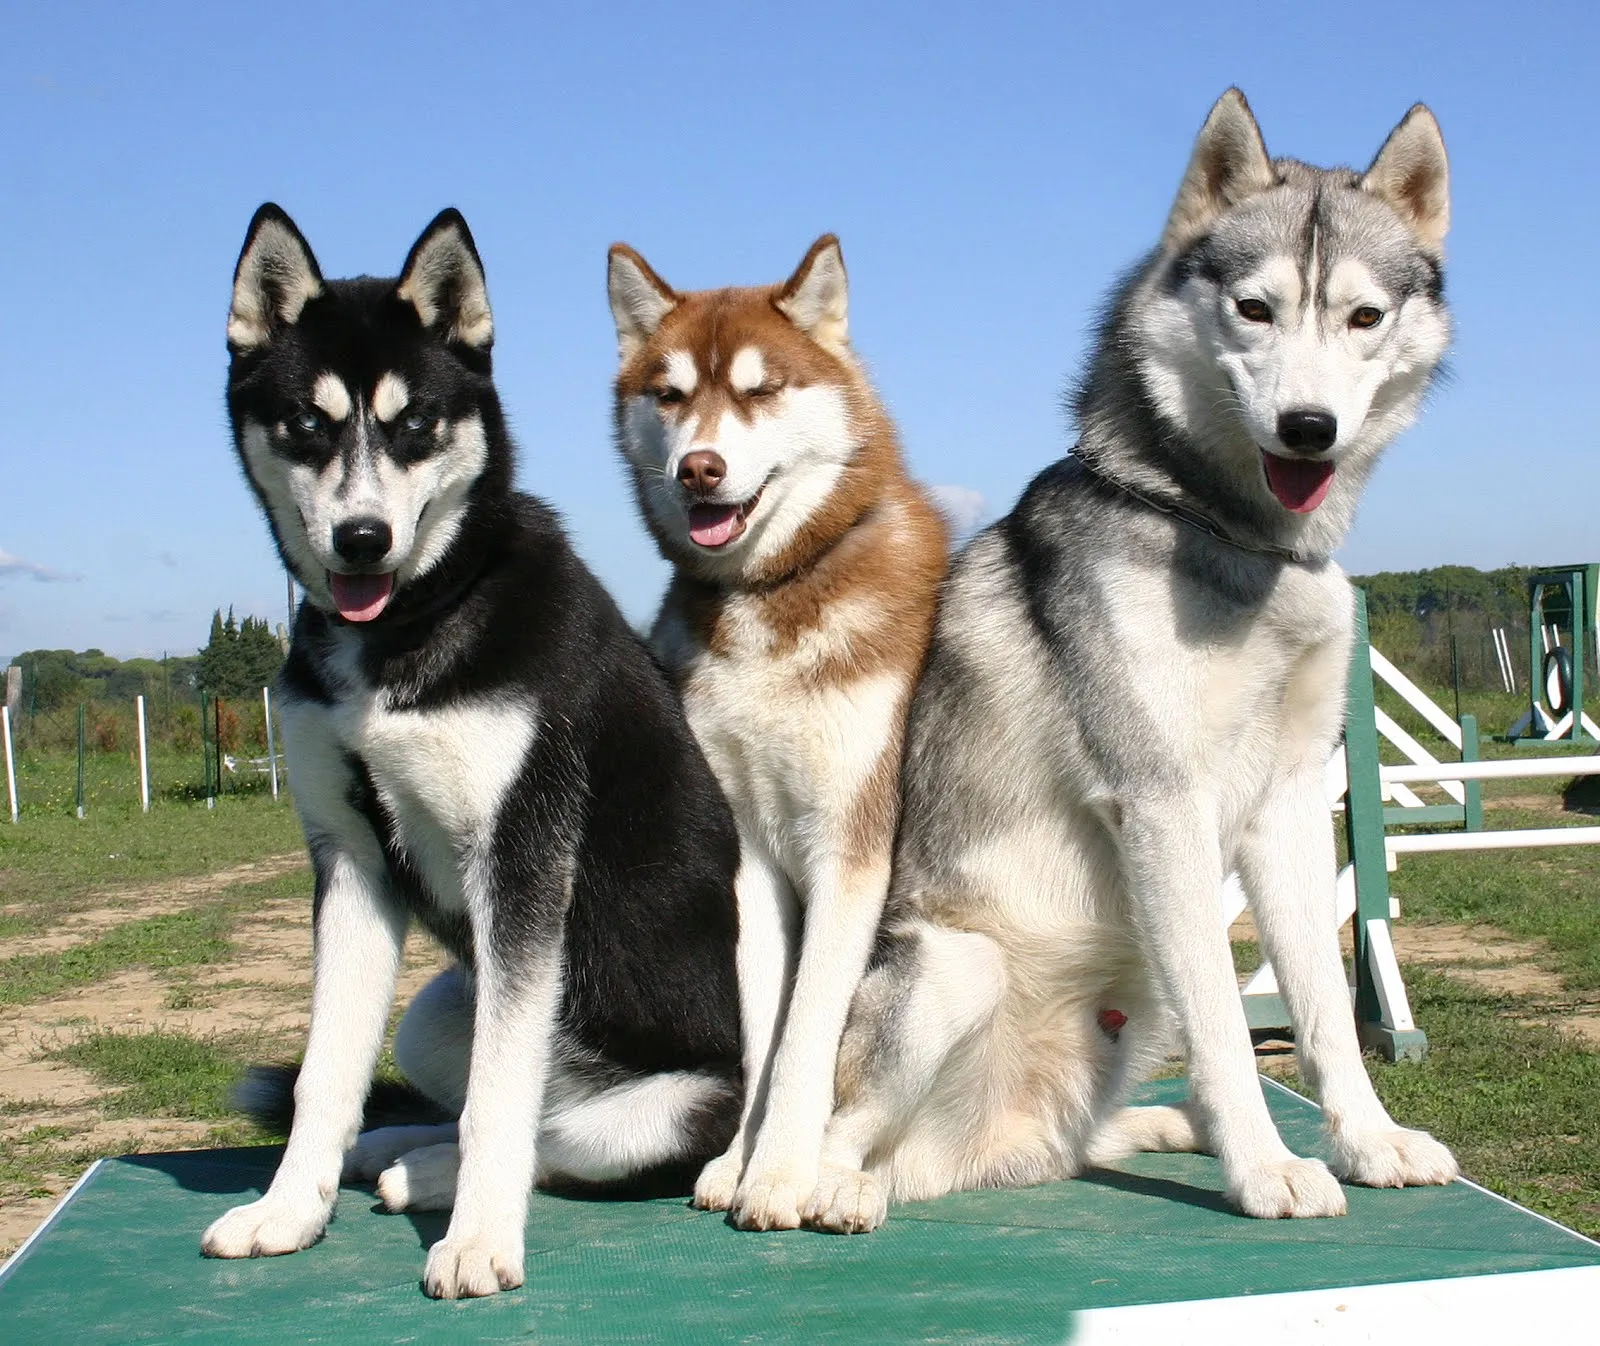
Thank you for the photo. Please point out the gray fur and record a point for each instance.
(1121, 705)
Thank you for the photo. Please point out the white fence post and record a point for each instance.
(272, 752)
(11, 766)
(144, 757)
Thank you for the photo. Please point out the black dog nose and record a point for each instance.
(1312, 431)
(362, 542)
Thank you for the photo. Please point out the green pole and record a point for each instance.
(1363, 822)
(81, 810)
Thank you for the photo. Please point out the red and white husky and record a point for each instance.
(807, 568)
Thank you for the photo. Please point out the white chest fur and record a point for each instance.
(791, 750)
(440, 774)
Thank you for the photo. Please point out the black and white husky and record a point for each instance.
(479, 743)
(1136, 681)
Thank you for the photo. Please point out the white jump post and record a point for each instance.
(11, 766)
(144, 757)
(272, 753)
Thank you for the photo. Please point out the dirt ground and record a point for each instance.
(263, 991)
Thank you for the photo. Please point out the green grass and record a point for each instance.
(54, 864)
(162, 1074)
(178, 939)
(1519, 1104)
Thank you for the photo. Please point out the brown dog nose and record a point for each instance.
(702, 471)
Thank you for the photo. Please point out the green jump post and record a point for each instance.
(1363, 823)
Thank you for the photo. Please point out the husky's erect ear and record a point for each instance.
(443, 280)
(640, 299)
(1229, 163)
(273, 281)
(816, 298)
(1412, 173)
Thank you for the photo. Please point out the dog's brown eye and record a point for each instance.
(668, 395)
(1366, 316)
(1253, 310)
(765, 390)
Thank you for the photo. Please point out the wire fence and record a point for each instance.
(86, 756)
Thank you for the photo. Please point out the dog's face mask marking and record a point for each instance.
(1302, 304)
(356, 408)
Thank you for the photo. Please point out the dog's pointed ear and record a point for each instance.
(1412, 174)
(443, 280)
(816, 299)
(640, 299)
(275, 278)
(1229, 163)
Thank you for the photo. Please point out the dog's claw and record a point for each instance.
(769, 1200)
(714, 1189)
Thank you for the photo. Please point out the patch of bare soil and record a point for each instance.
(158, 899)
(263, 990)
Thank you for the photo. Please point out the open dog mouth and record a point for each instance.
(1299, 484)
(713, 526)
(360, 598)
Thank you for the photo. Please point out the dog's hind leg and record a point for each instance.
(934, 989)
(358, 932)
(432, 1047)
(1287, 865)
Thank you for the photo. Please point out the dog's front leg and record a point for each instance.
(514, 1019)
(767, 936)
(841, 916)
(1171, 856)
(1287, 864)
(358, 934)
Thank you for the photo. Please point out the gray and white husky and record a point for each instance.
(1134, 686)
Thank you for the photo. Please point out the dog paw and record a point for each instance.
(769, 1199)
(424, 1179)
(376, 1150)
(472, 1266)
(1393, 1158)
(1296, 1189)
(269, 1227)
(718, 1181)
(846, 1201)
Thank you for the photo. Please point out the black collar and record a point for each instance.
(1192, 517)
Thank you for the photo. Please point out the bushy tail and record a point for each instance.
(266, 1096)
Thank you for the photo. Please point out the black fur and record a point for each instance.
(613, 790)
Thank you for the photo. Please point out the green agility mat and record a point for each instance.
(1124, 1254)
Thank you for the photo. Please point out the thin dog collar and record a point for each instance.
(1192, 517)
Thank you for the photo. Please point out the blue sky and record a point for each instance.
(990, 168)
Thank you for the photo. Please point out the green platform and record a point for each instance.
(120, 1263)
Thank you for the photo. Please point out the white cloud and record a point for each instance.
(963, 508)
(11, 565)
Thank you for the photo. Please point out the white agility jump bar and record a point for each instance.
(1509, 770)
(1493, 841)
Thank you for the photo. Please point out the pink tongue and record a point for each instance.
(712, 525)
(1299, 484)
(360, 598)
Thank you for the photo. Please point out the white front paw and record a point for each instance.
(425, 1179)
(464, 1267)
(1393, 1157)
(1288, 1189)
(769, 1198)
(266, 1228)
(846, 1201)
(719, 1180)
